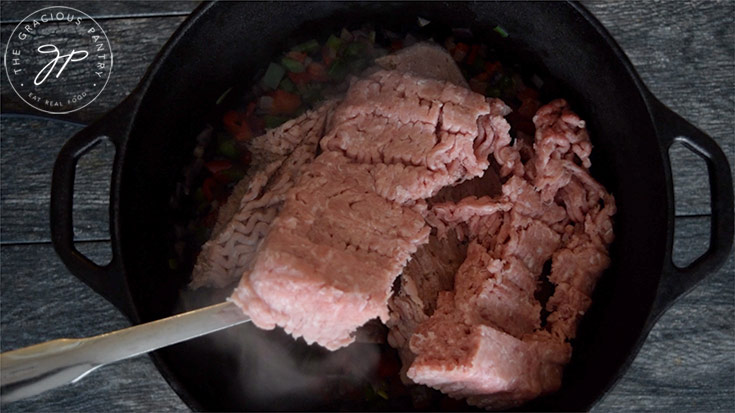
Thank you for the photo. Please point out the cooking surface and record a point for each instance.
(685, 53)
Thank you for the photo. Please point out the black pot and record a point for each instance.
(223, 44)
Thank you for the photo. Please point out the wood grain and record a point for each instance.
(688, 361)
(685, 53)
(68, 308)
(15, 11)
(134, 42)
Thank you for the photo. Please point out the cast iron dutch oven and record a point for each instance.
(223, 44)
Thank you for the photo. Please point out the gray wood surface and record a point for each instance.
(684, 52)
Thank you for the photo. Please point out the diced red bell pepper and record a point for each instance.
(298, 56)
(209, 188)
(218, 165)
(299, 78)
(284, 103)
(460, 52)
(482, 77)
(528, 107)
(237, 126)
(318, 72)
(528, 93)
(328, 55)
(492, 67)
(221, 177)
(474, 51)
(396, 45)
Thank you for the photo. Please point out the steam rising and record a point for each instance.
(274, 371)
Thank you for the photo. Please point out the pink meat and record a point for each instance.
(244, 220)
(352, 220)
(489, 367)
(486, 342)
(423, 134)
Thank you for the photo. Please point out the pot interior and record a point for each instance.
(230, 44)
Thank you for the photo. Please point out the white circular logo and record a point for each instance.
(58, 59)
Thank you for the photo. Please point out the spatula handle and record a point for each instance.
(31, 370)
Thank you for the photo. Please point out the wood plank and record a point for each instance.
(685, 53)
(29, 149)
(134, 43)
(16, 11)
(42, 301)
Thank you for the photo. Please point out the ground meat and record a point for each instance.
(425, 60)
(354, 217)
(244, 220)
(486, 342)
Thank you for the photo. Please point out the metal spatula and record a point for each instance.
(31, 370)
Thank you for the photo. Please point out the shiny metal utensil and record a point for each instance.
(31, 370)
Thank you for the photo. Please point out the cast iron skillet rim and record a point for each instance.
(666, 264)
(136, 98)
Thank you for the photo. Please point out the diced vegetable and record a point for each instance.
(334, 42)
(472, 56)
(311, 93)
(318, 72)
(328, 55)
(346, 35)
(299, 78)
(338, 70)
(310, 46)
(355, 49)
(292, 65)
(231, 175)
(460, 52)
(236, 125)
(492, 67)
(493, 92)
(284, 103)
(499, 30)
(208, 188)
(274, 121)
(218, 165)
(287, 85)
(229, 149)
(273, 75)
(298, 56)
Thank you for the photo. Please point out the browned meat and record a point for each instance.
(352, 220)
(244, 220)
(486, 341)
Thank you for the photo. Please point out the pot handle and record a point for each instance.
(677, 281)
(107, 280)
